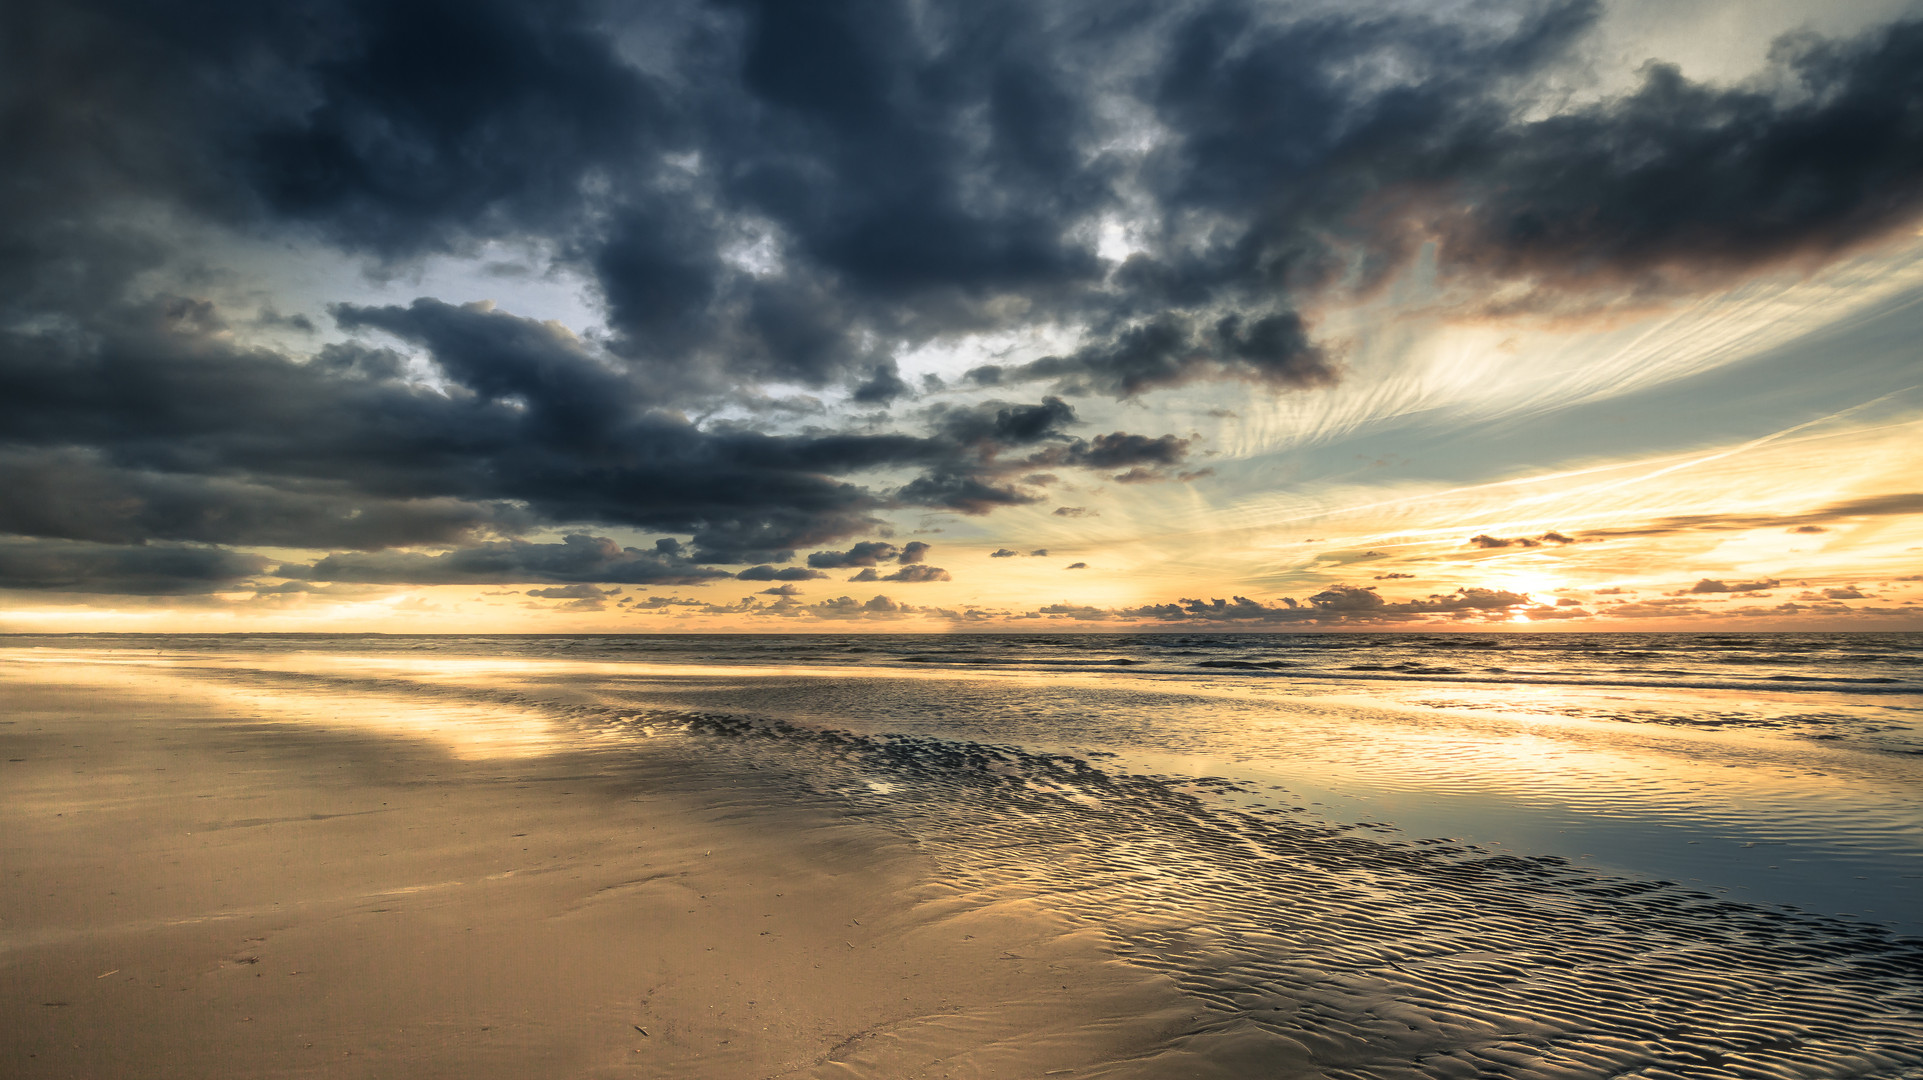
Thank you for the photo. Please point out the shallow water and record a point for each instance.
(1664, 852)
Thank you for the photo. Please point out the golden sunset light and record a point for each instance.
(885, 539)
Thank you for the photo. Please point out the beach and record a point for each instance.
(194, 893)
(355, 859)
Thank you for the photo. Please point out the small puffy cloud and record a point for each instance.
(1847, 593)
(915, 572)
(764, 572)
(918, 572)
(1484, 540)
(1071, 511)
(1003, 553)
(913, 551)
(663, 603)
(1075, 611)
(1077, 566)
(844, 608)
(866, 553)
(1712, 585)
(572, 592)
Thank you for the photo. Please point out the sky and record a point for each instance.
(554, 316)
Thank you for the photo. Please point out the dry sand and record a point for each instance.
(204, 882)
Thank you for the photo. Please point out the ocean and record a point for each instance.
(1520, 854)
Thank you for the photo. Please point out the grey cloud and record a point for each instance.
(918, 572)
(137, 570)
(965, 493)
(81, 495)
(797, 195)
(573, 592)
(1170, 351)
(844, 608)
(1895, 504)
(866, 553)
(1711, 585)
(884, 384)
(577, 558)
(764, 572)
(1484, 540)
(1338, 603)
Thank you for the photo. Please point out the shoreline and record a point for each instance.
(692, 857)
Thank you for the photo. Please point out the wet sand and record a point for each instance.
(334, 864)
(198, 889)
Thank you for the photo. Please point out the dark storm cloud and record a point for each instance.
(799, 194)
(578, 558)
(1169, 351)
(162, 407)
(78, 495)
(904, 168)
(1114, 451)
(881, 387)
(162, 427)
(138, 570)
(995, 425)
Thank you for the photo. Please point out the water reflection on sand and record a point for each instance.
(1350, 882)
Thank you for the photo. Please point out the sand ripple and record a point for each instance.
(1341, 954)
(1317, 949)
